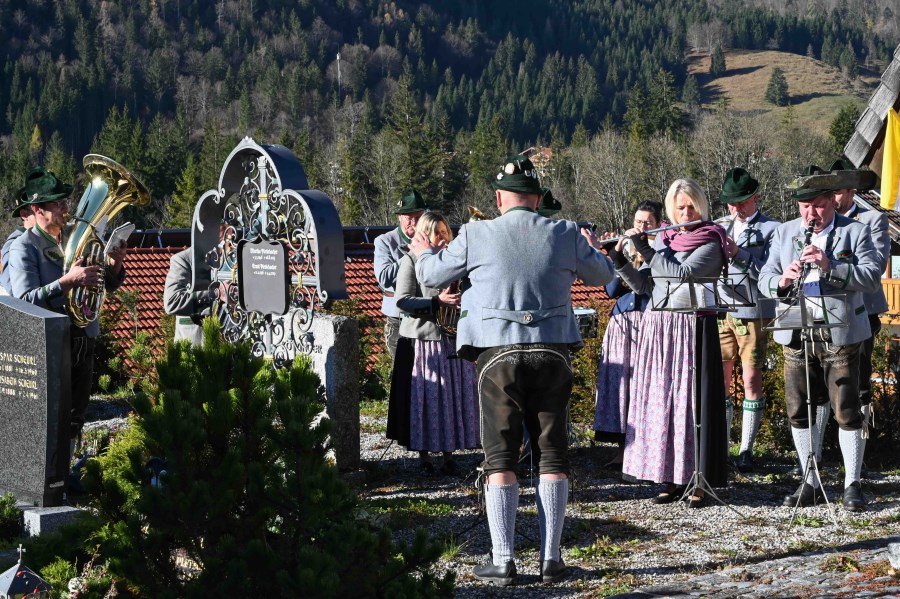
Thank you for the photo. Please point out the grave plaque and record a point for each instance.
(34, 402)
(263, 273)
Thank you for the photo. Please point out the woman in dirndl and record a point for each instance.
(616, 368)
(443, 394)
(678, 364)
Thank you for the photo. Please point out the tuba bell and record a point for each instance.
(111, 188)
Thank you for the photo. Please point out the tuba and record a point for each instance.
(111, 188)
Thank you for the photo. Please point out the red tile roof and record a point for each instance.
(147, 268)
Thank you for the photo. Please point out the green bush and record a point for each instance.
(10, 518)
(248, 502)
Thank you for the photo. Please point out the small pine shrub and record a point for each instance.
(247, 500)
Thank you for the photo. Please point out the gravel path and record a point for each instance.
(617, 542)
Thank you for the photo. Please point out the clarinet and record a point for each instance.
(798, 282)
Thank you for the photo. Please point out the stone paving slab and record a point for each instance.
(855, 570)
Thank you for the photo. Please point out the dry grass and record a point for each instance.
(817, 90)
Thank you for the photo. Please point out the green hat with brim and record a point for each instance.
(548, 205)
(411, 202)
(850, 177)
(519, 176)
(41, 186)
(813, 182)
(738, 186)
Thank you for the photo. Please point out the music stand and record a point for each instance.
(799, 313)
(693, 295)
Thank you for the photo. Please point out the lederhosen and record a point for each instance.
(525, 386)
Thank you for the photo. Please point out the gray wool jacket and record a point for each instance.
(875, 301)
(417, 304)
(854, 271)
(753, 251)
(520, 267)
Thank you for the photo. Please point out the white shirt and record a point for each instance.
(739, 227)
(811, 285)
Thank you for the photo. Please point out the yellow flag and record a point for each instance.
(890, 166)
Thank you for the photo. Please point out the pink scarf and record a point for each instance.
(702, 234)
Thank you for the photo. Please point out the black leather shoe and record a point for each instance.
(853, 498)
(698, 501)
(745, 462)
(552, 570)
(806, 495)
(501, 576)
(669, 495)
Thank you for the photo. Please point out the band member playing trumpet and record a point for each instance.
(443, 395)
(741, 333)
(617, 366)
(659, 441)
(840, 260)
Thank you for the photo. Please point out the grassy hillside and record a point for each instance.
(817, 90)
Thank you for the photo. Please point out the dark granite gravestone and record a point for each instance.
(263, 273)
(35, 399)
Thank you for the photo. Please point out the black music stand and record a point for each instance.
(799, 313)
(692, 296)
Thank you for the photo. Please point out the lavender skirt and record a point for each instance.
(614, 375)
(659, 439)
(443, 399)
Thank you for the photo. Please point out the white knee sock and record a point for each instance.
(501, 502)
(752, 418)
(552, 497)
(801, 442)
(823, 414)
(853, 446)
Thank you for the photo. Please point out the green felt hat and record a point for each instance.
(811, 183)
(548, 205)
(411, 202)
(41, 186)
(518, 175)
(738, 186)
(848, 176)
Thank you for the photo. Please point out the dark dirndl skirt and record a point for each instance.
(398, 421)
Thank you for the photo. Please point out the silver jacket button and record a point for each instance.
(528, 317)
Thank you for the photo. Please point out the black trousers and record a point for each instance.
(82, 377)
(865, 362)
(525, 387)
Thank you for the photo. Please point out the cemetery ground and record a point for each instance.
(617, 540)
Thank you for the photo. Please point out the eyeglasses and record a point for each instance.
(640, 223)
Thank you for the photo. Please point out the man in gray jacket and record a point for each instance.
(741, 333)
(518, 325)
(36, 261)
(876, 303)
(179, 298)
(389, 249)
(839, 263)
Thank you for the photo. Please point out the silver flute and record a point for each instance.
(659, 230)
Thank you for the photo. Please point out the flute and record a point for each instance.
(653, 231)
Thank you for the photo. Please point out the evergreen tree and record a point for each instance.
(248, 494)
(188, 190)
(690, 93)
(717, 66)
(777, 89)
(843, 126)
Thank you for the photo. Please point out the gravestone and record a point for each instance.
(35, 399)
(335, 356)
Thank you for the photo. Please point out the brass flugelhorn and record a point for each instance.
(447, 317)
(111, 188)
